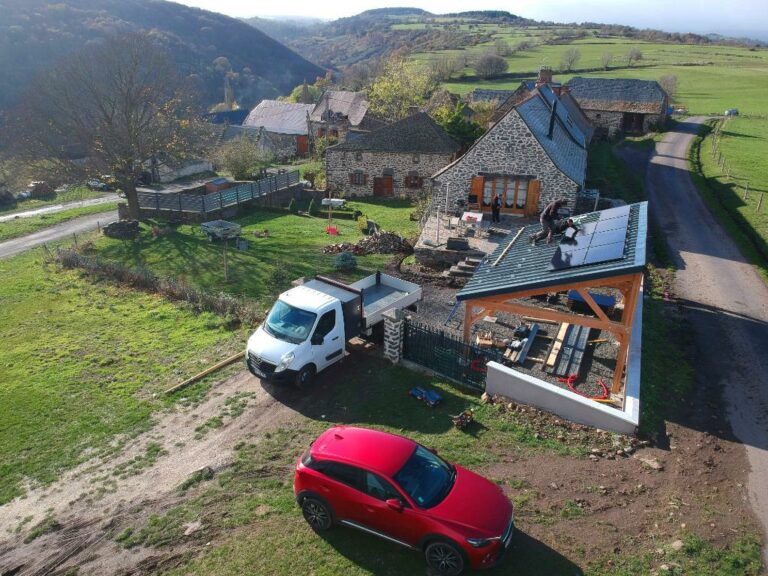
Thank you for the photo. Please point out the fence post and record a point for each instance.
(203, 197)
(746, 191)
(760, 202)
(394, 323)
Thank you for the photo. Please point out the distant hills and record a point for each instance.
(35, 33)
(370, 35)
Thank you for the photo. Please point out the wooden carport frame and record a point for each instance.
(628, 284)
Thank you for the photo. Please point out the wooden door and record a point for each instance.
(383, 186)
(532, 201)
(302, 146)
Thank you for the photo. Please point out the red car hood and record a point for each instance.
(476, 503)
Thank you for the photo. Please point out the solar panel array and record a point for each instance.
(595, 242)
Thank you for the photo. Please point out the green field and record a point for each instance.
(293, 249)
(22, 226)
(79, 364)
(734, 188)
(70, 195)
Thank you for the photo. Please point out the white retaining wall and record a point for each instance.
(535, 392)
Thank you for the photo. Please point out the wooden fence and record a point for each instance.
(214, 201)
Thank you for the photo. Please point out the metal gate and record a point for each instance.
(447, 355)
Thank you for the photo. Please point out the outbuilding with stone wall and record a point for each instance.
(392, 161)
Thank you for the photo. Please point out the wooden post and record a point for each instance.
(760, 202)
(746, 190)
(467, 320)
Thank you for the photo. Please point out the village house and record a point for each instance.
(397, 159)
(535, 153)
(616, 105)
(281, 128)
(341, 114)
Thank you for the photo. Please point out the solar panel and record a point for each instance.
(596, 242)
(604, 253)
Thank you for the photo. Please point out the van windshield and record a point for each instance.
(288, 323)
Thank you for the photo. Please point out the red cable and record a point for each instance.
(572, 378)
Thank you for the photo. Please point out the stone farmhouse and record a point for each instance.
(342, 114)
(533, 154)
(280, 127)
(394, 160)
(617, 105)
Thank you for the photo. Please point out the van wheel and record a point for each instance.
(305, 377)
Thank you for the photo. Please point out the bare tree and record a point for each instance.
(606, 59)
(490, 65)
(668, 83)
(114, 107)
(445, 67)
(502, 47)
(569, 59)
(633, 55)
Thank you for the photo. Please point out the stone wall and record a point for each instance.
(283, 146)
(509, 148)
(340, 163)
(608, 123)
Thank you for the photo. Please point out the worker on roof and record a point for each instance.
(547, 218)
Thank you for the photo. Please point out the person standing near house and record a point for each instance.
(547, 219)
(496, 208)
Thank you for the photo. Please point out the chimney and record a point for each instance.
(552, 118)
(545, 76)
(413, 110)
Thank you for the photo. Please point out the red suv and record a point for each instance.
(397, 489)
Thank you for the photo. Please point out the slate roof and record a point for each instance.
(353, 105)
(417, 133)
(527, 266)
(567, 147)
(618, 94)
(279, 117)
(487, 95)
(231, 117)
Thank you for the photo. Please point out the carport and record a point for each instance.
(608, 252)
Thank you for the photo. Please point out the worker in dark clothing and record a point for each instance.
(496, 209)
(547, 219)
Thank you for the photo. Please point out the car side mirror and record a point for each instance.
(317, 339)
(395, 504)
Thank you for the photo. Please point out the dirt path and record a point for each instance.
(74, 226)
(725, 299)
(98, 495)
(60, 207)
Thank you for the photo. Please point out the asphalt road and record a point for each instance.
(60, 207)
(58, 232)
(726, 302)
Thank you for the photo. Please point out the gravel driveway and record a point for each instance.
(726, 301)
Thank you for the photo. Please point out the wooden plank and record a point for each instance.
(230, 360)
(523, 352)
(557, 345)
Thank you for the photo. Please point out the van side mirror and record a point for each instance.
(317, 339)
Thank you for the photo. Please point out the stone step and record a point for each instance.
(468, 267)
(460, 272)
(474, 261)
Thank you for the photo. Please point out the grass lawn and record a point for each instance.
(79, 363)
(744, 146)
(70, 195)
(293, 249)
(23, 226)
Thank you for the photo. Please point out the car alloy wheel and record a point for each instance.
(317, 514)
(444, 558)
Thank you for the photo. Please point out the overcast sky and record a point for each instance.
(732, 17)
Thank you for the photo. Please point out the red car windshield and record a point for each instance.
(426, 478)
